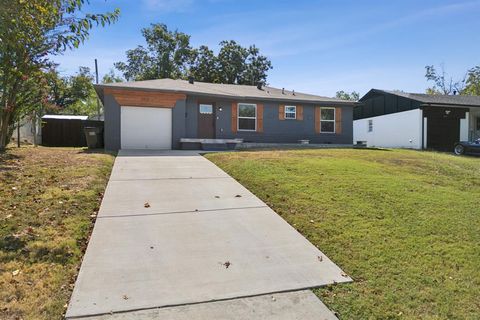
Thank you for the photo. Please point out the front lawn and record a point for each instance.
(49, 197)
(405, 225)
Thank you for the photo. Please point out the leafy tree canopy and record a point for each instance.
(111, 77)
(445, 84)
(30, 31)
(350, 96)
(168, 54)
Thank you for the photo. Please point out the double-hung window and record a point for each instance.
(290, 112)
(370, 125)
(247, 117)
(327, 120)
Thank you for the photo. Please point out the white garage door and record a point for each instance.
(146, 128)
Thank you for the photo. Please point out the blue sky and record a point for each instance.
(316, 47)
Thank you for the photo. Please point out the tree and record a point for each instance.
(72, 94)
(256, 68)
(473, 82)
(79, 96)
(111, 77)
(169, 55)
(443, 84)
(231, 61)
(204, 66)
(166, 56)
(30, 31)
(343, 95)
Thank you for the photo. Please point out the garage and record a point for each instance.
(146, 128)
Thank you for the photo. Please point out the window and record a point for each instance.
(327, 120)
(370, 125)
(290, 112)
(206, 108)
(247, 117)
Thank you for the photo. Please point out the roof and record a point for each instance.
(221, 90)
(436, 99)
(64, 116)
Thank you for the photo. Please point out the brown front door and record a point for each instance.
(206, 121)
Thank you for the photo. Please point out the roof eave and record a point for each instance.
(100, 87)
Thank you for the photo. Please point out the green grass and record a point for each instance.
(49, 197)
(405, 225)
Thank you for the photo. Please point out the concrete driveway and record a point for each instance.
(175, 232)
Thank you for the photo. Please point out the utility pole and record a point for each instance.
(96, 81)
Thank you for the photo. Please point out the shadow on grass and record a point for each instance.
(5, 157)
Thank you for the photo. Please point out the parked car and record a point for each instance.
(470, 147)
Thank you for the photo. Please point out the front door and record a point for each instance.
(206, 121)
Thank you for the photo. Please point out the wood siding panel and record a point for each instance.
(139, 98)
(300, 113)
(259, 117)
(317, 119)
(234, 117)
(338, 120)
(281, 112)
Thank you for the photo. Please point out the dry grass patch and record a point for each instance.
(49, 199)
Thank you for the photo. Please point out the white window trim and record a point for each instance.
(295, 113)
(334, 119)
(238, 116)
(369, 128)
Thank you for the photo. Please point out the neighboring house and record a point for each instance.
(157, 114)
(30, 130)
(394, 119)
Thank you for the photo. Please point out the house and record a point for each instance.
(163, 113)
(394, 119)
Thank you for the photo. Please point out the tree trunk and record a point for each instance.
(5, 130)
(34, 128)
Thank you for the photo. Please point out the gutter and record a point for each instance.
(449, 105)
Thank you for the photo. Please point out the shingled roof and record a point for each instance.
(433, 99)
(222, 90)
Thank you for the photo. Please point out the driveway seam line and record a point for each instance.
(194, 303)
(174, 212)
(190, 178)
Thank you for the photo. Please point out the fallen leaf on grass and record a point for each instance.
(15, 273)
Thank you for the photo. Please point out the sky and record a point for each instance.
(317, 47)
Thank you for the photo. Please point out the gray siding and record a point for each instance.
(274, 130)
(112, 123)
(178, 123)
(185, 117)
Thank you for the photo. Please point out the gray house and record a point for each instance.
(166, 114)
(395, 119)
